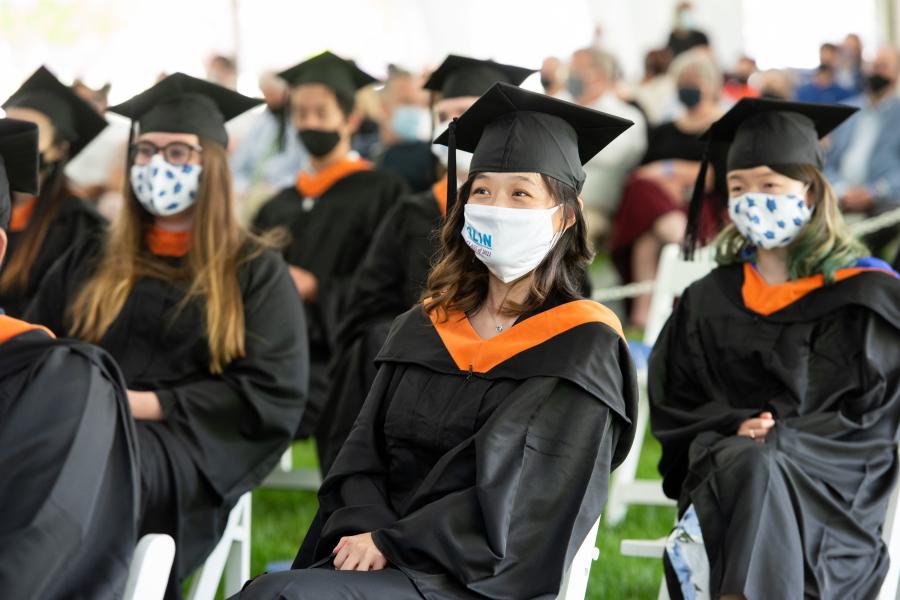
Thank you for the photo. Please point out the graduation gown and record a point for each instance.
(388, 282)
(480, 466)
(221, 434)
(75, 221)
(68, 457)
(799, 515)
(329, 236)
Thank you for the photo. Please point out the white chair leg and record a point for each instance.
(150, 567)
(230, 557)
(624, 475)
(575, 583)
(237, 566)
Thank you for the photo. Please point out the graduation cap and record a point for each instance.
(184, 104)
(74, 119)
(764, 132)
(342, 76)
(18, 163)
(460, 76)
(513, 130)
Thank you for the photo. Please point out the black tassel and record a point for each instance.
(451, 166)
(695, 208)
(129, 150)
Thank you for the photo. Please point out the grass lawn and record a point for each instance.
(281, 517)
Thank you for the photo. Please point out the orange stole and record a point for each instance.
(765, 299)
(313, 185)
(470, 352)
(168, 243)
(10, 328)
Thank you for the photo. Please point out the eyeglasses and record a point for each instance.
(175, 153)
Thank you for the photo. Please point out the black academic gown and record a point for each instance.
(798, 516)
(329, 237)
(388, 282)
(68, 458)
(75, 221)
(221, 434)
(480, 482)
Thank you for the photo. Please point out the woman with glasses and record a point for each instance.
(45, 225)
(203, 320)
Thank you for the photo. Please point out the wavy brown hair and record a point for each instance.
(822, 247)
(220, 245)
(458, 281)
(54, 190)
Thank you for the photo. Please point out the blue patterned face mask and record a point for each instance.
(165, 189)
(769, 220)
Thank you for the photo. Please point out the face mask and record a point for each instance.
(164, 189)
(463, 158)
(876, 83)
(689, 96)
(411, 123)
(546, 82)
(511, 242)
(769, 221)
(575, 86)
(686, 19)
(319, 142)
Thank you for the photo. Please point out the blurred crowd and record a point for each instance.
(637, 189)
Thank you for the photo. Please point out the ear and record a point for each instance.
(354, 121)
(571, 217)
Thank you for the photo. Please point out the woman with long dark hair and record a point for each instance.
(202, 318)
(45, 225)
(481, 456)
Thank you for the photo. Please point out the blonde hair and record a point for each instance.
(209, 270)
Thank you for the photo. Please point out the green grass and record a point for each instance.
(281, 518)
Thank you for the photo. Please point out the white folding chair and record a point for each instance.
(890, 533)
(673, 276)
(285, 477)
(575, 582)
(150, 567)
(230, 557)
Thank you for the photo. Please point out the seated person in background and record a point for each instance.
(863, 160)
(67, 443)
(43, 227)
(330, 214)
(823, 88)
(775, 385)
(202, 318)
(269, 159)
(392, 276)
(482, 454)
(653, 211)
(775, 84)
(406, 130)
(737, 84)
(592, 83)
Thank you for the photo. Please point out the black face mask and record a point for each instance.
(546, 82)
(319, 142)
(876, 83)
(689, 96)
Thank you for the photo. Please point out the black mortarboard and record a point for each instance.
(764, 132)
(342, 76)
(75, 120)
(18, 163)
(513, 130)
(184, 104)
(462, 76)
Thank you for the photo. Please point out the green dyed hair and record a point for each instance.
(823, 246)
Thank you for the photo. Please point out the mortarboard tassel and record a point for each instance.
(695, 208)
(451, 166)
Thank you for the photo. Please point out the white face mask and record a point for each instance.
(769, 220)
(463, 159)
(511, 242)
(165, 189)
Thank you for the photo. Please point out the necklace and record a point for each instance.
(498, 326)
